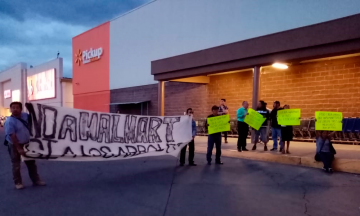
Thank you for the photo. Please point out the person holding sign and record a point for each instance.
(324, 149)
(214, 138)
(263, 130)
(17, 134)
(275, 127)
(191, 144)
(243, 128)
(286, 134)
(224, 110)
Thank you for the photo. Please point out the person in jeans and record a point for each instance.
(263, 130)
(325, 149)
(191, 144)
(275, 127)
(214, 139)
(224, 110)
(16, 136)
(242, 127)
(286, 135)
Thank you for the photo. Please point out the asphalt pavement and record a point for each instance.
(158, 186)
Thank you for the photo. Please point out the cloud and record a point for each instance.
(33, 31)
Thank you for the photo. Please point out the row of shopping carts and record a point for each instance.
(303, 132)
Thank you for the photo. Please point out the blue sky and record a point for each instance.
(33, 31)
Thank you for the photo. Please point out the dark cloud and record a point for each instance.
(33, 31)
(78, 12)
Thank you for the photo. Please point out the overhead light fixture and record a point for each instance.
(280, 66)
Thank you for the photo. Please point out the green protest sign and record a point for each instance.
(218, 124)
(288, 117)
(254, 119)
(328, 121)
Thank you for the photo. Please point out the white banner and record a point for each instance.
(65, 134)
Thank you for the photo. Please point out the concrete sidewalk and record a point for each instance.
(347, 158)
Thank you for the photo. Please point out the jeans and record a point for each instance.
(16, 164)
(214, 139)
(327, 158)
(276, 132)
(243, 130)
(191, 153)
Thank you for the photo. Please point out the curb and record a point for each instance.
(342, 165)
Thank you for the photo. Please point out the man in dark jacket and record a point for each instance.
(191, 144)
(275, 127)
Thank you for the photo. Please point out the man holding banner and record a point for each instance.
(191, 144)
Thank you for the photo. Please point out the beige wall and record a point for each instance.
(68, 97)
(12, 79)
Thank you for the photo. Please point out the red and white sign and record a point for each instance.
(7, 94)
(41, 85)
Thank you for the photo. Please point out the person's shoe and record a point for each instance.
(273, 149)
(19, 186)
(226, 141)
(330, 170)
(192, 164)
(244, 149)
(209, 163)
(219, 162)
(239, 150)
(281, 150)
(287, 152)
(254, 148)
(181, 164)
(265, 148)
(39, 183)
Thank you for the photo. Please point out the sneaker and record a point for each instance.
(239, 150)
(254, 148)
(192, 164)
(19, 186)
(273, 149)
(265, 148)
(39, 183)
(281, 150)
(287, 152)
(330, 170)
(244, 149)
(226, 141)
(219, 162)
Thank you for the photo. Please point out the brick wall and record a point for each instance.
(332, 85)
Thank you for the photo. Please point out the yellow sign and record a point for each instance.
(288, 117)
(218, 124)
(254, 119)
(328, 121)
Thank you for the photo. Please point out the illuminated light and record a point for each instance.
(16, 95)
(7, 94)
(41, 85)
(280, 66)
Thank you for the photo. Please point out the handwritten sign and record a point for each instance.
(288, 117)
(254, 119)
(218, 124)
(328, 121)
(64, 134)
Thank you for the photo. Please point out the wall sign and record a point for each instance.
(7, 94)
(41, 85)
(88, 56)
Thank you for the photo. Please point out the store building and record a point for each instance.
(43, 84)
(170, 55)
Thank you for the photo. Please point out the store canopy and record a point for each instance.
(136, 102)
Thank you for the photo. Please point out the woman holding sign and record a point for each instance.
(324, 149)
(286, 135)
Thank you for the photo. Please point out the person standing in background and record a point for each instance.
(242, 127)
(191, 144)
(286, 135)
(275, 127)
(263, 130)
(214, 139)
(223, 110)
